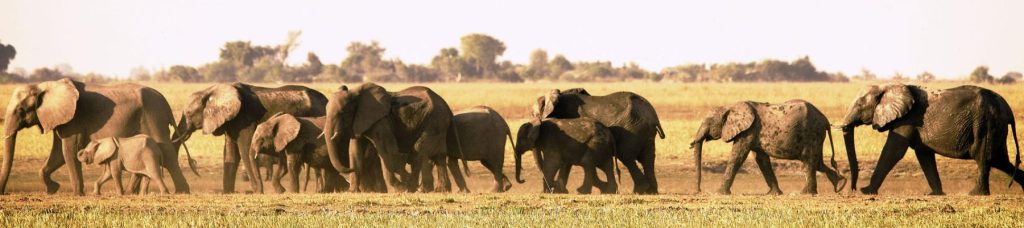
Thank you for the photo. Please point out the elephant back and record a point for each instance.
(299, 101)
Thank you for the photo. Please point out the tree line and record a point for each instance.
(477, 58)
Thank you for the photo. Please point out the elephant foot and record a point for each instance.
(809, 192)
(979, 192)
(724, 192)
(52, 187)
(279, 189)
(464, 190)
(583, 190)
(936, 193)
(869, 191)
(774, 192)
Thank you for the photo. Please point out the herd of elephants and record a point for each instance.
(369, 139)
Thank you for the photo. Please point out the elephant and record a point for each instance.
(558, 144)
(80, 112)
(631, 118)
(964, 122)
(139, 155)
(233, 110)
(408, 127)
(264, 164)
(482, 132)
(295, 141)
(793, 130)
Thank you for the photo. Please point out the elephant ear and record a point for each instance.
(59, 103)
(738, 118)
(895, 102)
(287, 130)
(374, 103)
(546, 104)
(105, 150)
(222, 104)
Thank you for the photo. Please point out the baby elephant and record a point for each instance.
(294, 141)
(139, 155)
(793, 130)
(482, 133)
(558, 144)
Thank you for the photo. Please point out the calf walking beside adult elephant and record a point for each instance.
(631, 118)
(234, 110)
(78, 113)
(408, 127)
(965, 122)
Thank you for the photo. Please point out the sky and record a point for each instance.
(946, 38)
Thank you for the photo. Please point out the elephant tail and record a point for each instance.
(1016, 164)
(661, 131)
(453, 131)
(191, 162)
(832, 146)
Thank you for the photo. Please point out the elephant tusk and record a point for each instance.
(320, 136)
(7, 136)
(334, 136)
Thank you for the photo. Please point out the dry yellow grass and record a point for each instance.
(680, 107)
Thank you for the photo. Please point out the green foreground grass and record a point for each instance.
(445, 210)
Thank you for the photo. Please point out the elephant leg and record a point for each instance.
(453, 167)
(892, 152)
(117, 180)
(927, 160)
(1001, 162)
(563, 178)
(427, 178)
(170, 162)
(811, 170)
(550, 169)
(230, 163)
(647, 161)
(71, 146)
(740, 150)
(764, 163)
(154, 174)
(284, 167)
(54, 162)
(838, 181)
(610, 186)
(269, 175)
(99, 182)
(499, 184)
(589, 174)
(144, 183)
(441, 162)
(248, 161)
(636, 175)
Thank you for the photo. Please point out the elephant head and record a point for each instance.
(99, 151)
(879, 107)
(274, 135)
(46, 105)
(724, 123)
(209, 110)
(526, 140)
(546, 104)
(360, 112)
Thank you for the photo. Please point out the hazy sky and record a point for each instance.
(948, 38)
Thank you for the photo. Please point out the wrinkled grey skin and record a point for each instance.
(78, 113)
(558, 144)
(233, 110)
(408, 127)
(965, 122)
(296, 139)
(139, 155)
(483, 133)
(631, 118)
(794, 130)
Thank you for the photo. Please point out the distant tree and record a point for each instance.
(899, 77)
(45, 74)
(481, 51)
(866, 75)
(238, 52)
(313, 64)
(183, 73)
(925, 77)
(538, 66)
(363, 59)
(219, 71)
(139, 73)
(1010, 77)
(449, 64)
(559, 65)
(980, 75)
(7, 53)
(290, 44)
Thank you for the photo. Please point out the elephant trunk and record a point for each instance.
(294, 169)
(337, 147)
(851, 154)
(698, 152)
(519, 166)
(10, 135)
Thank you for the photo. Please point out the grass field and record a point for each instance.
(680, 106)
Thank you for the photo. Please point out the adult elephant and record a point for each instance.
(408, 127)
(965, 122)
(78, 113)
(630, 117)
(234, 110)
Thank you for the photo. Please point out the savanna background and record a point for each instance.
(685, 58)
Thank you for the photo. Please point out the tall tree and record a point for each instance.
(237, 52)
(980, 74)
(559, 64)
(449, 64)
(363, 58)
(7, 53)
(481, 51)
(538, 67)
